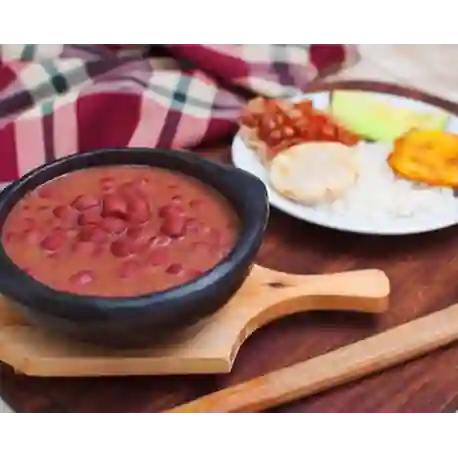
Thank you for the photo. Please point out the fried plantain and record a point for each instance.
(426, 156)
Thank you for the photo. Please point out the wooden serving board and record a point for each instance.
(211, 345)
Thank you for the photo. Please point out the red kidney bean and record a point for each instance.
(123, 247)
(113, 225)
(175, 269)
(174, 226)
(83, 277)
(54, 241)
(92, 234)
(114, 205)
(84, 202)
(138, 210)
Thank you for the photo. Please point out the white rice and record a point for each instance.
(379, 195)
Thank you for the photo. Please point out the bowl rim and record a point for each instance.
(17, 284)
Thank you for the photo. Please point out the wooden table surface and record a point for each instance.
(422, 270)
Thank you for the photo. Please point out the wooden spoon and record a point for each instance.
(367, 356)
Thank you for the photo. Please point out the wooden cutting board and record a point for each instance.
(208, 347)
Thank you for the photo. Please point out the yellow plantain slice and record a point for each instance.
(426, 156)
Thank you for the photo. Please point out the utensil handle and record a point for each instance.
(367, 356)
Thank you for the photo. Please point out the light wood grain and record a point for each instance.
(367, 356)
(210, 346)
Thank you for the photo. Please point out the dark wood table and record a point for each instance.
(423, 270)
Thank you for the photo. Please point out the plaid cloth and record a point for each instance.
(57, 100)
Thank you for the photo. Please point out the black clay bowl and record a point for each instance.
(142, 319)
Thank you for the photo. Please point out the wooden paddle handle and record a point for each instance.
(348, 363)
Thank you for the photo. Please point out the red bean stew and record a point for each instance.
(119, 231)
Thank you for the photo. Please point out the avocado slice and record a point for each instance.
(374, 119)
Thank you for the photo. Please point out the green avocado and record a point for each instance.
(374, 119)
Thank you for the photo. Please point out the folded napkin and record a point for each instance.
(57, 100)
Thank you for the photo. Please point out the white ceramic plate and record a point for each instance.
(246, 159)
